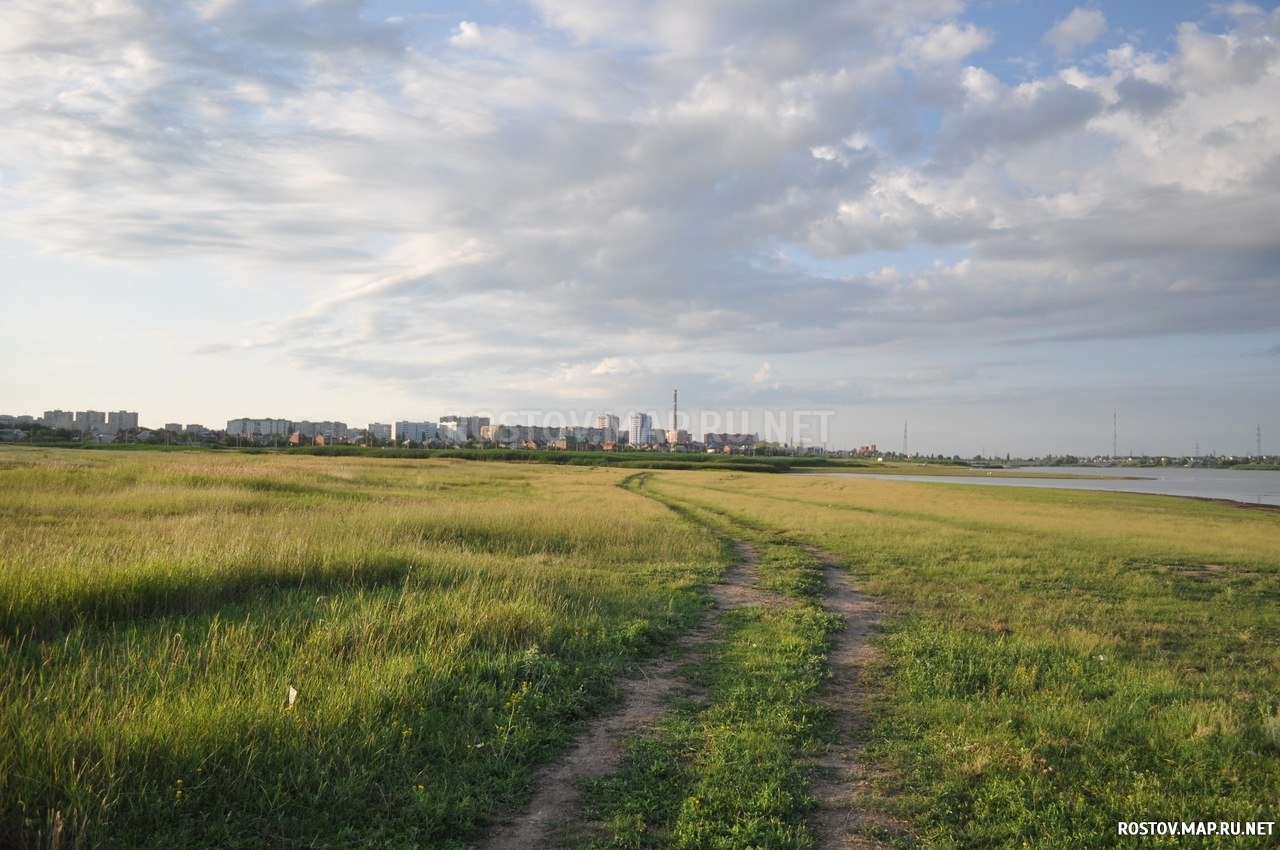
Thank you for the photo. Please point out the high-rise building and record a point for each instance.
(122, 420)
(608, 424)
(332, 432)
(453, 429)
(591, 436)
(416, 432)
(59, 419)
(640, 426)
(380, 431)
(259, 427)
(91, 421)
(465, 427)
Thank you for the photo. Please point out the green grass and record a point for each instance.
(1055, 662)
(445, 625)
(1060, 661)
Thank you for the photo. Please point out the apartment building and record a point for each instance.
(259, 427)
(416, 432)
(640, 429)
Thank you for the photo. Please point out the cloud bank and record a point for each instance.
(594, 196)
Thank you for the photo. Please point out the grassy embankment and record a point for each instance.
(445, 626)
(1059, 661)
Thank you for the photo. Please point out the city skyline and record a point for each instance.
(998, 222)
(781, 427)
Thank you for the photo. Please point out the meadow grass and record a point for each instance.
(445, 626)
(1059, 661)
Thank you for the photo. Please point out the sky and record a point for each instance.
(1005, 227)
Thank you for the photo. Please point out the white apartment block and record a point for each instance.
(416, 432)
(259, 427)
(331, 431)
(59, 419)
(122, 420)
(91, 420)
(453, 429)
(640, 426)
(380, 431)
(608, 424)
(469, 427)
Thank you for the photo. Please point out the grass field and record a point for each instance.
(1059, 661)
(445, 625)
(1055, 661)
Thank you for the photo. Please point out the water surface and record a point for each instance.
(1260, 487)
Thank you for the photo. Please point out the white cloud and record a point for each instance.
(591, 201)
(467, 35)
(949, 43)
(1077, 30)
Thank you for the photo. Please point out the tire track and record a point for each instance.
(552, 816)
(844, 782)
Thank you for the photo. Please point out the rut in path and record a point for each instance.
(557, 804)
(843, 784)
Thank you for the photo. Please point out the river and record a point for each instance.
(1260, 487)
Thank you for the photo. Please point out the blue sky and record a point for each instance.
(997, 221)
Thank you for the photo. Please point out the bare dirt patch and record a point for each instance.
(556, 806)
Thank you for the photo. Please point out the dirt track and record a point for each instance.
(842, 780)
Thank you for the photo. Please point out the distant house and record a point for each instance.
(729, 443)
